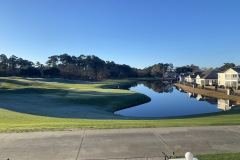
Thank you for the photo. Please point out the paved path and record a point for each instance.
(118, 143)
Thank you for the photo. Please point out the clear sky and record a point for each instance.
(139, 33)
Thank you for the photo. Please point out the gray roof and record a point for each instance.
(210, 74)
(236, 69)
(197, 72)
(183, 74)
(193, 76)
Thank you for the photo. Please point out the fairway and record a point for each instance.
(31, 104)
(66, 99)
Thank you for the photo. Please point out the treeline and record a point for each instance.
(193, 68)
(87, 68)
(72, 67)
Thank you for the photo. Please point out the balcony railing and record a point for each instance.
(231, 78)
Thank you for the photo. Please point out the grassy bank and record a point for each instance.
(54, 104)
(11, 121)
(208, 93)
(222, 156)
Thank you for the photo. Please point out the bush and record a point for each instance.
(51, 72)
(30, 71)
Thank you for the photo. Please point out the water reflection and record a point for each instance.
(192, 95)
(156, 86)
(222, 104)
(225, 104)
(168, 100)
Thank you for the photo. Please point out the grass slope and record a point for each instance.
(53, 104)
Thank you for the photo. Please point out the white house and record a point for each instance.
(181, 76)
(170, 75)
(192, 77)
(209, 77)
(229, 78)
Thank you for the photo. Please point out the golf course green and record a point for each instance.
(34, 104)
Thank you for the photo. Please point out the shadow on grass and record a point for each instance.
(64, 81)
(83, 105)
(40, 81)
(89, 104)
(17, 82)
(68, 103)
(59, 92)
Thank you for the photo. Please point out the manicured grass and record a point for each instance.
(11, 121)
(222, 156)
(54, 104)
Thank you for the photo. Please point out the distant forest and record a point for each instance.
(83, 67)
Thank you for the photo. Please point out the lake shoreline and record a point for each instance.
(213, 94)
(13, 121)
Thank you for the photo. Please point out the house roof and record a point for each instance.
(236, 69)
(210, 74)
(197, 72)
(183, 74)
(193, 76)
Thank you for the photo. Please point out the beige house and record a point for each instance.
(209, 77)
(229, 78)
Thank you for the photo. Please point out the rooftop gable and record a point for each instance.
(233, 70)
(236, 70)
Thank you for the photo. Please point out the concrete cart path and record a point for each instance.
(119, 143)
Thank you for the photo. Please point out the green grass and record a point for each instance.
(221, 156)
(55, 104)
(20, 122)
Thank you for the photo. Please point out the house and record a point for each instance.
(181, 76)
(229, 78)
(209, 77)
(170, 75)
(192, 77)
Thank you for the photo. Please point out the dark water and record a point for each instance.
(168, 100)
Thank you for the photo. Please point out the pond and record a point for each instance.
(168, 100)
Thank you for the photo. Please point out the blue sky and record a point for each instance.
(139, 33)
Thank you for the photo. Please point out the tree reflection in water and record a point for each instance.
(157, 86)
